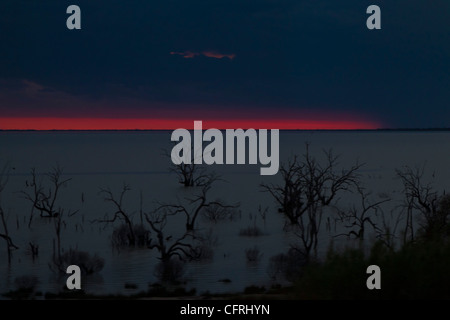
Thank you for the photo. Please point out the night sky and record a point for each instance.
(287, 64)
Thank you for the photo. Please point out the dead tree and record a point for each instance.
(44, 197)
(57, 223)
(423, 200)
(34, 250)
(189, 174)
(4, 177)
(215, 213)
(179, 247)
(61, 259)
(357, 217)
(289, 194)
(194, 206)
(120, 213)
(57, 264)
(183, 248)
(307, 187)
(5, 235)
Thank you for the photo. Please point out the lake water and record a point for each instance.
(95, 160)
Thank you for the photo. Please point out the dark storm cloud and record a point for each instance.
(287, 55)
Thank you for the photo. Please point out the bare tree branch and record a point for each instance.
(120, 213)
(190, 174)
(180, 247)
(422, 199)
(360, 216)
(43, 198)
(194, 206)
(4, 178)
(307, 187)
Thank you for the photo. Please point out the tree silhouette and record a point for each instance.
(4, 178)
(194, 205)
(171, 250)
(307, 187)
(134, 234)
(421, 198)
(357, 217)
(44, 196)
(189, 174)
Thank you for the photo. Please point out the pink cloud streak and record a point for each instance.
(209, 54)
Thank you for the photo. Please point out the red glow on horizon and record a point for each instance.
(171, 124)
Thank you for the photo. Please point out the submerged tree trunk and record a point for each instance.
(8, 241)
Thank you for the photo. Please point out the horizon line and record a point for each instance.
(102, 124)
(191, 129)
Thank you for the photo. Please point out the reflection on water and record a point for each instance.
(110, 159)
(136, 266)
